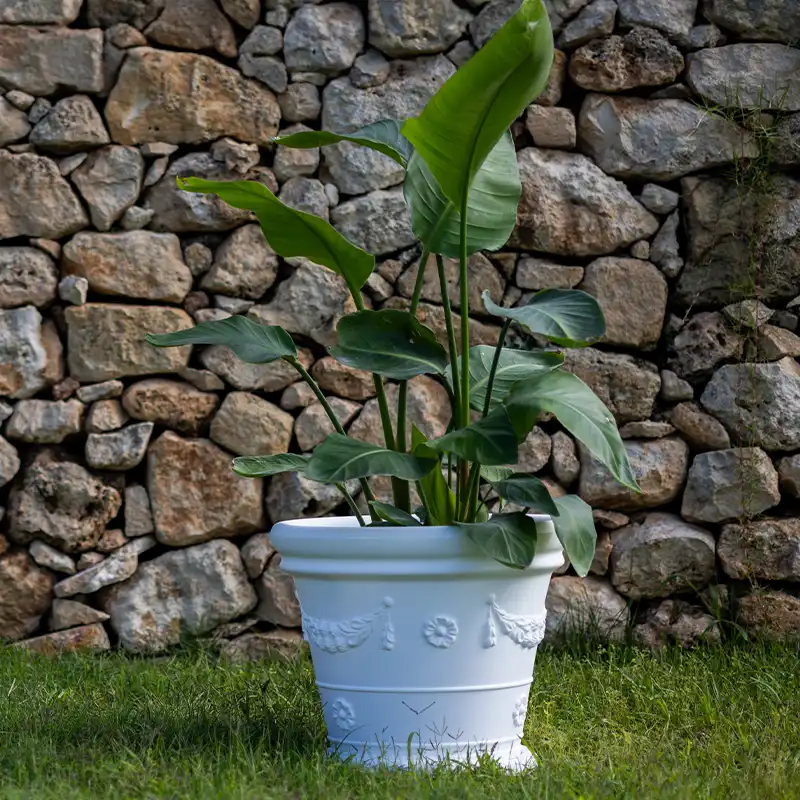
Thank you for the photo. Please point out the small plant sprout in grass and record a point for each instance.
(462, 188)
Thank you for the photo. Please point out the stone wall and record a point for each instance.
(657, 170)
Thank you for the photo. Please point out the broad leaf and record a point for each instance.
(340, 458)
(514, 365)
(250, 341)
(494, 474)
(575, 530)
(264, 466)
(290, 232)
(579, 410)
(567, 317)
(527, 491)
(491, 440)
(467, 116)
(383, 136)
(507, 538)
(393, 514)
(492, 209)
(389, 342)
(439, 499)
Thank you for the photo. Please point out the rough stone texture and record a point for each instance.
(270, 377)
(71, 614)
(595, 20)
(87, 638)
(186, 98)
(585, 607)
(341, 380)
(766, 549)
(277, 644)
(627, 137)
(14, 123)
(700, 430)
(676, 622)
(673, 17)
(313, 425)
(704, 343)
(725, 485)
(193, 25)
(564, 459)
(249, 426)
(9, 461)
(758, 403)
(106, 341)
(45, 421)
(789, 472)
(323, 39)
(120, 450)
(415, 28)
(27, 277)
(40, 12)
(193, 495)
(183, 592)
(72, 125)
(25, 595)
(293, 496)
(570, 208)
(60, 503)
(36, 200)
(659, 466)
(137, 264)
(778, 20)
(174, 404)
(256, 553)
(536, 273)
(747, 75)
(633, 297)
(770, 615)
(278, 603)
(30, 353)
(551, 127)
(661, 556)
(378, 222)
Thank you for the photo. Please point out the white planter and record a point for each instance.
(422, 646)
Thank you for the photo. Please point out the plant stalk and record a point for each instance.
(352, 503)
(464, 286)
(495, 363)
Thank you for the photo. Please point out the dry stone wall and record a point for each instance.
(660, 175)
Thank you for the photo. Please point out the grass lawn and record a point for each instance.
(721, 723)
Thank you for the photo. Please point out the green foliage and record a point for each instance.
(507, 538)
(390, 343)
(251, 341)
(526, 491)
(266, 466)
(438, 497)
(394, 515)
(491, 440)
(574, 526)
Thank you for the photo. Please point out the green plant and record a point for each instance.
(462, 187)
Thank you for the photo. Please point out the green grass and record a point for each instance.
(715, 723)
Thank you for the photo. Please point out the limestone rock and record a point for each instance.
(44, 61)
(564, 459)
(174, 404)
(747, 75)
(570, 208)
(551, 95)
(585, 607)
(293, 496)
(9, 461)
(110, 180)
(256, 554)
(193, 25)
(278, 602)
(305, 194)
(107, 341)
(71, 614)
(244, 12)
(73, 124)
(323, 39)
(534, 452)
(280, 644)
(49, 557)
(346, 108)
(300, 102)
(341, 380)
(291, 162)
(774, 343)
(310, 302)
(665, 249)
(676, 622)
(770, 615)
(40, 12)
(249, 426)
(138, 519)
(36, 200)
(193, 494)
(646, 429)
(379, 222)
(312, 425)
(673, 17)
(661, 556)
(183, 98)
(369, 69)
(633, 297)
(642, 57)
(269, 70)
(415, 28)
(105, 416)
(720, 220)
(27, 277)
(183, 592)
(248, 377)
(701, 430)
(87, 638)
(120, 450)
(766, 549)
(658, 199)
(137, 13)
(724, 485)
(703, 344)
(134, 264)
(789, 473)
(551, 127)
(625, 135)
(537, 273)
(25, 595)
(14, 123)
(595, 20)
(45, 421)
(100, 391)
(774, 20)
(772, 419)
(627, 385)
(659, 466)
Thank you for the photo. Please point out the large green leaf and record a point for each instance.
(527, 491)
(491, 440)
(507, 538)
(467, 116)
(492, 209)
(394, 515)
(251, 341)
(383, 136)
(568, 317)
(290, 232)
(575, 530)
(439, 499)
(264, 466)
(513, 366)
(389, 342)
(579, 410)
(340, 458)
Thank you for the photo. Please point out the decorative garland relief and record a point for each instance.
(340, 636)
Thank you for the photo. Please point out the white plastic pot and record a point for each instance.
(423, 647)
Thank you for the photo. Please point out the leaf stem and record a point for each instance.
(326, 406)
(464, 286)
(451, 341)
(352, 503)
(495, 362)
